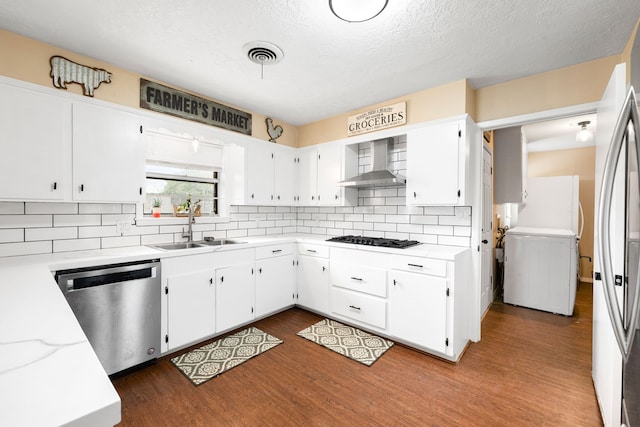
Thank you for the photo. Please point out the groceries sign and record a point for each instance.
(163, 99)
(380, 118)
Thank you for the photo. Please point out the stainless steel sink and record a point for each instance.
(218, 242)
(176, 246)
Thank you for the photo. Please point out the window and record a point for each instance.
(171, 185)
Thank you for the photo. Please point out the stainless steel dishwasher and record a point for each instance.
(118, 308)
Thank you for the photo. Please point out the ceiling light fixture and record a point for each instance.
(584, 134)
(263, 53)
(357, 10)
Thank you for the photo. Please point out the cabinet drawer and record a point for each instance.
(271, 251)
(363, 308)
(313, 250)
(434, 267)
(359, 278)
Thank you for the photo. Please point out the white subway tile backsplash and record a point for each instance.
(100, 208)
(76, 220)
(32, 208)
(25, 248)
(11, 208)
(88, 232)
(33, 234)
(120, 242)
(12, 235)
(25, 221)
(33, 227)
(75, 245)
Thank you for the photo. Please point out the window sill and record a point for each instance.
(171, 220)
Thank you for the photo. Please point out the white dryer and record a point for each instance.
(540, 269)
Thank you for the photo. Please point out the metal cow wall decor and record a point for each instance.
(65, 71)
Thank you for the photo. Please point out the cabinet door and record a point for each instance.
(308, 178)
(313, 283)
(275, 284)
(235, 295)
(329, 174)
(260, 174)
(35, 137)
(433, 165)
(190, 307)
(285, 177)
(108, 155)
(418, 309)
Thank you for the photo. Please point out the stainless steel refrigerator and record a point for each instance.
(618, 229)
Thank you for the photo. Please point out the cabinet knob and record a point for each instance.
(485, 241)
(414, 195)
(337, 197)
(324, 268)
(278, 197)
(260, 270)
(272, 197)
(313, 197)
(252, 195)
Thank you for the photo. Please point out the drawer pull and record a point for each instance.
(356, 278)
(313, 251)
(354, 307)
(275, 251)
(416, 265)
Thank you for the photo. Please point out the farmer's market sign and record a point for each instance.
(163, 99)
(380, 118)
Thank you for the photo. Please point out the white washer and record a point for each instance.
(540, 269)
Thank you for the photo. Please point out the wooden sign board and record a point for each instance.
(380, 118)
(163, 99)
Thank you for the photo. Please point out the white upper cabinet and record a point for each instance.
(271, 171)
(35, 140)
(108, 155)
(320, 170)
(438, 163)
(510, 163)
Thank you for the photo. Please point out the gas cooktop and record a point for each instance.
(374, 241)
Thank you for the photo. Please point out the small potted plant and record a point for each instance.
(157, 203)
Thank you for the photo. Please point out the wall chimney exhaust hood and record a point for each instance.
(379, 176)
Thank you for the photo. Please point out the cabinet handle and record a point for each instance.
(415, 265)
(141, 191)
(394, 282)
(252, 195)
(415, 195)
(356, 278)
(354, 307)
(278, 197)
(324, 268)
(81, 187)
(313, 251)
(275, 251)
(337, 197)
(318, 197)
(211, 281)
(221, 279)
(485, 241)
(54, 186)
(272, 197)
(313, 198)
(260, 270)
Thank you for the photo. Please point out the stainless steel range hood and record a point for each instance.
(379, 176)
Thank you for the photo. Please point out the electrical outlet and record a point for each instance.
(122, 227)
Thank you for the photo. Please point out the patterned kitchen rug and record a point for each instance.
(213, 359)
(351, 342)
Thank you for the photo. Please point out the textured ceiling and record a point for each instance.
(329, 66)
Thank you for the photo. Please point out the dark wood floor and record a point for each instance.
(530, 369)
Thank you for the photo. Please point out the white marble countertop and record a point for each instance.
(49, 374)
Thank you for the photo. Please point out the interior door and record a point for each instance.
(607, 359)
(487, 230)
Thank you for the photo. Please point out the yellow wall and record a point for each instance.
(581, 162)
(28, 60)
(626, 53)
(429, 104)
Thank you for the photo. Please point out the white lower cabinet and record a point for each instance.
(359, 286)
(360, 307)
(418, 309)
(190, 304)
(188, 301)
(275, 278)
(313, 277)
(235, 296)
